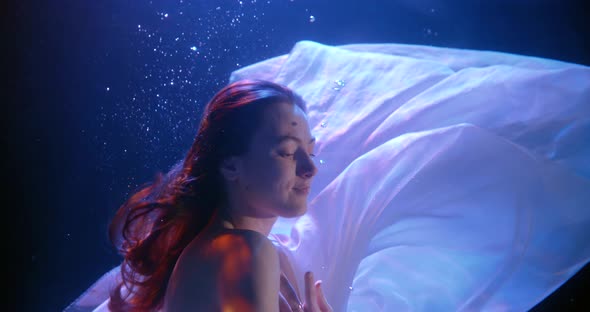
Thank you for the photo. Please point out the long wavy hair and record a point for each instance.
(155, 224)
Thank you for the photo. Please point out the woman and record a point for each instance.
(441, 189)
(196, 239)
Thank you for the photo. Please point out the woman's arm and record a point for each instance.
(263, 277)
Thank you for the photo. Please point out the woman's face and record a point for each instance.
(276, 173)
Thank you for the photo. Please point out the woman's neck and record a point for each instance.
(235, 221)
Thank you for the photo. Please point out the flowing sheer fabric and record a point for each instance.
(449, 180)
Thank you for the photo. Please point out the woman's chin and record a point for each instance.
(294, 211)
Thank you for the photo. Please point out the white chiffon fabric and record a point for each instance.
(449, 180)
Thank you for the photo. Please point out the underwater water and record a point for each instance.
(108, 93)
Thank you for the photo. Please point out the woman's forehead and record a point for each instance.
(285, 118)
(297, 131)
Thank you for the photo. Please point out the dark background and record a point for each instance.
(98, 96)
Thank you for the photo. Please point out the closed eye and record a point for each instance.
(291, 155)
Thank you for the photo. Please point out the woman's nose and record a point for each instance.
(308, 167)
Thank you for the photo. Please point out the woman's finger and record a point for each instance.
(322, 302)
(311, 304)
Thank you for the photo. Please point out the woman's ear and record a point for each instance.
(230, 168)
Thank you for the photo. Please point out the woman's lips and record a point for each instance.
(304, 190)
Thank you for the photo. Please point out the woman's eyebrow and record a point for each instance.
(290, 137)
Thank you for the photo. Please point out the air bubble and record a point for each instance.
(339, 84)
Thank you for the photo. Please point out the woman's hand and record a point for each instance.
(314, 296)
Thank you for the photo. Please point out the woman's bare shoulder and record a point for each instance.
(240, 240)
(251, 252)
(232, 258)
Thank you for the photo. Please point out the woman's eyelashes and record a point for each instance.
(287, 155)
